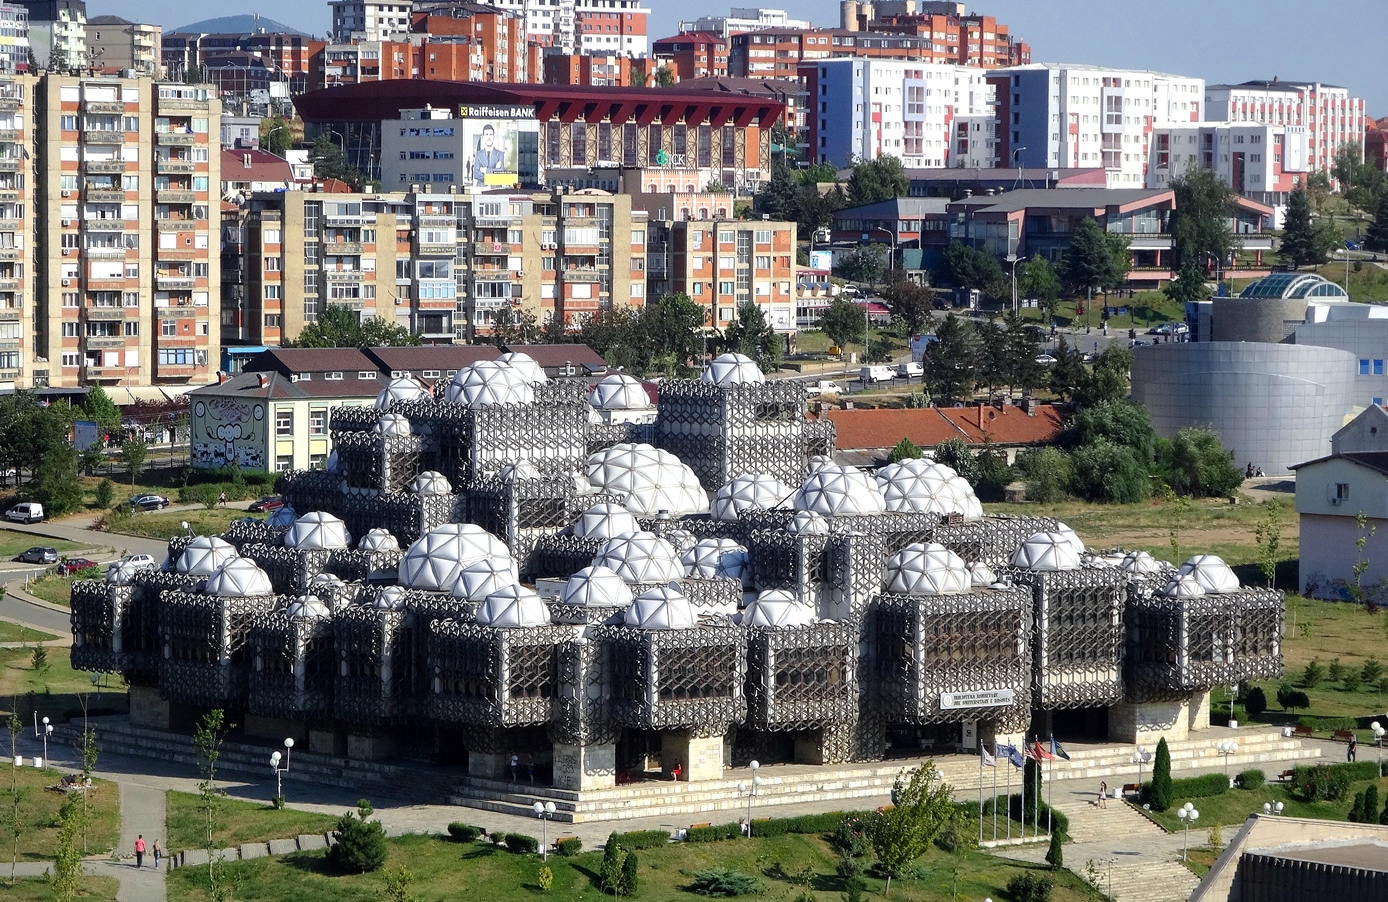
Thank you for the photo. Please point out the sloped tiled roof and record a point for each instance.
(863, 429)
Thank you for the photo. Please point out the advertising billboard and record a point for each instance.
(86, 435)
(821, 261)
(490, 146)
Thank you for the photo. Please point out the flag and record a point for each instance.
(1041, 754)
(1059, 750)
(1013, 755)
(988, 760)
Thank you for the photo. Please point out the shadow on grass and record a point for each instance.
(313, 863)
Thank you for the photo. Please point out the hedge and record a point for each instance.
(713, 834)
(1353, 770)
(774, 826)
(464, 832)
(1324, 724)
(643, 839)
(569, 847)
(522, 844)
(260, 478)
(1192, 787)
(1250, 779)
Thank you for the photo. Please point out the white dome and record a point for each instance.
(1070, 537)
(641, 557)
(401, 388)
(808, 523)
(524, 364)
(715, 558)
(282, 517)
(679, 539)
(981, 575)
(819, 462)
(619, 392)
(393, 424)
(1047, 551)
(750, 491)
(378, 540)
(1140, 563)
(205, 555)
(431, 483)
(1213, 574)
(661, 608)
(651, 479)
(923, 486)
(521, 469)
(239, 578)
(490, 382)
(123, 573)
(318, 531)
(1183, 586)
(836, 491)
(732, 369)
(512, 607)
(391, 598)
(481, 578)
(605, 521)
(777, 607)
(307, 607)
(920, 569)
(437, 557)
(326, 579)
(596, 587)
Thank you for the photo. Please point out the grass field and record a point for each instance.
(57, 691)
(238, 822)
(12, 543)
(52, 588)
(37, 889)
(162, 525)
(14, 632)
(441, 868)
(38, 814)
(1234, 806)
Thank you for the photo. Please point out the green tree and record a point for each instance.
(1189, 286)
(1067, 374)
(105, 493)
(877, 180)
(1163, 791)
(1107, 382)
(57, 487)
(1037, 278)
(14, 823)
(922, 803)
(668, 334)
(910, 305)
(1267, 535)
(1200, 465)
(843, 321)
(1093, 259)
(1306, 241)
(339, 326)
(98, 407)
(1376, 239)
(1120, 422)
(208, 736)
(398, 881)
(1047, 472)
(330, 162)
(949, 363)
(1055, 852)
(1205, 204)
(66, 877)
(969, 267)
(638, 77)
(1022, 350)
(750, 334)
(612, 870)
(904, 450)
(361, 844)
(865, 264)
(631, 882)
(133, 451)
(1106, 471)
(1255, 702)
(276, 135)
(664, 77)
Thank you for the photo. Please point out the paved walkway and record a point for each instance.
(20, 607)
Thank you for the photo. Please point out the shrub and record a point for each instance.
(1335, 672)
(723, 883)
(1215, 837)
(1370, 803)
(631, 882)
(545, 879)
(714, 833)
(464, 832)
(1288, 696)
(105, 493)
(361, 844)
(643, 839)
(1029, 888)
(1350, 681)
(1200, 787)
(1356, 810)
(849, 837)
(1322, 783)
(1162, 794)
(1055, 855)
(1256, 702)
(522, 844)
(1372, 671)
(1313, 674)
(569, 847)
(1250, 779)
(498, 837)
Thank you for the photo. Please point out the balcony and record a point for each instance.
(171, 167)
(180, 104)
(103, 106)
(104, 284)
(9, 164)
(107, 314)
(446, 222)
(11, 134)
(10, 314)
(102, 342)
(584, 274)
(179, 253)
(7, 285)
(103, 136)
(103, 225)
(437, 250)
(173, 283)
(176, 225)
(175, 196)
(10, 253)
(350, 276)
(103, 167)
(10, 104)
(103, 372)
(104, 195)
(178, 139)
(343, 222)
(10, 225)
(104, 253)
(341, 248)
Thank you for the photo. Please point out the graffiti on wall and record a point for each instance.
(227, 430)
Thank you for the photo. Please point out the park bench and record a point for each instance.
(1302, 731)
(698, 826)
(1342, 735)
(1132, 788)
(1285, 776)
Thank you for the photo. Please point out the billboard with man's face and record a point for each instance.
(491, 153)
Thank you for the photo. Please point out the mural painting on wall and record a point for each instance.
(227, 430)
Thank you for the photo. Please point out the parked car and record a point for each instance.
(1352, 245)
(39, 554)
(149, 502)
(822, 388)
(909, 370)
(266, 504)
(28, 512)
(135, 560)
(73, 564)
(1045, 360)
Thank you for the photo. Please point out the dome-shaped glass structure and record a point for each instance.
(307, 607)
(777, 608)
(431, 483)
(436, 558)
(401, 388)
(1292, 285)
(1049, 551)
(481, 578)
(123, 573)
(239, 578)
(391, 598)
(652, 480)
(750, 491)
(596, 587)
(318, 531)
(1183, 587)
(981, 575)
(836, 491)
(378, 540)
(605, 521)
(205, 555)
(326, 579)
(1140, 563)
(281, 518)
(521, 469)
(1212, 573)
(641, 557)
(927, 569)
(923, 486)
(512, 607)
(619, 392)
(393, 424)
(490, 382)
(524, 364)
(819, 462)
(1071, 539)
(808, 523)
(661, 608)
(727, 370)
(715, 559)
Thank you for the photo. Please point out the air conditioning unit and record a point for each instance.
(66, 251)
(1337, 501)
(67, 223)
(67, 194)
(67, 282)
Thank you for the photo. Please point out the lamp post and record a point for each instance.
(544, 811)
(1378, 741)
(1140, 757)
(277, 128)
(281, 771)
(1111, 863)
(1270, 808)
(1013, 258)
(47, 731)
(751, 792)
(1188, 815)
(1227, 747)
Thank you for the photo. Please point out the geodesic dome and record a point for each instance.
(727, 370)
(661, 608)
(318, 531)
(521, 469)
(123, 573)
(619, 392)
(239, 578)
(489, 382)
(596, 587)
(605, 521)
(836, 491)
(281, 518)
(481, 578)
(431, 483)
(512, 607)
(981, 575)
(393, 424)
(1183, 586)
(401, 388)
(927, 569)
(819, 462)
(776, 608)
(750, 491)
(326, 579)
(923, 486)
(378, 540)
(307, 607)
(1050, 551)
(1139, 563)
(808, 523)
(652, 480)
(391, 598)
(1212, 573)
(715, 558)
(436, 558)
(641, 557)
(524, 364)
(205, 555)
(1068, 534)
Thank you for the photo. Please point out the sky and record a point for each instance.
(1219, 40)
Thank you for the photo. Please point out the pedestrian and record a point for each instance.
(157, 851)
(1353, 747)
(1103, 794)
(140, 851)
(222, 499)
(515, 767)
(530, 768)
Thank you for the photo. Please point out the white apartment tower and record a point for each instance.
(1329, 114)
(583, 26)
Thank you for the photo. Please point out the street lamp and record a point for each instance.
(1140, 757)
(281, 771)
(1188, 815)
(1111, 863)
(47, 731)
(1227, 747)
(544, 811)
(1378, 741)
(1270, 808)
(1013, 258)
(751, 793)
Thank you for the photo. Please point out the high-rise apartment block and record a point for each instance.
(58, 33)
(1261, 162)
(18, 300)
(117, 44)
(603, 70)
(697, 54)
(570, 25)
(1331, 116)
(722, 264)
(742, 19)
(14, 38)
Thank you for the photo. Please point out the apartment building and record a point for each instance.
(1261, 162)
(965, 40)
(604, 70)
(57, 33)
(286, 56)
(725, 263)
(18, 301)
(570, 25)
(780, 52)
(117, 44)
(128, 170)
(494, 55)
(1331, 116)
(698, 54)
(14, 38)
(1062, 116)
(744, 19)
(928, 115)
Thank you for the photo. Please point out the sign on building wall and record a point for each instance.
(491, 150)
(86, 434)
(986, 699)
(227, 430)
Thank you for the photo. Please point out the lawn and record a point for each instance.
(12, 543)
(14, 632)
(38, 814)
(57, 691)
(441, 867)
(38, 889)
(1234, 806)
(162, 525)
(1145, 309)
(52, 588)
(813, 341)
(239, 822)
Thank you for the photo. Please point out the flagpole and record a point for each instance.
(1050, 805)
(980, 788)
(995, 790)
(1009, 799)
(1023, 817)
(1036, 802)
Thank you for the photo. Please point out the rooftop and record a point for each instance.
(898, 207)
(278, 387)
(1374, 460)
(861, 429)
(1368, 855)
(1079, 198)
(1291, 285)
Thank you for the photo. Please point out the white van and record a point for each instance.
(877, 374)
(28, 512)
(909, 370)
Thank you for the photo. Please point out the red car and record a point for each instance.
(266, 504)
(72, 565)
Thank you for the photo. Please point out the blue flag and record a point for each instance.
(1058, 750)
(1013, 755)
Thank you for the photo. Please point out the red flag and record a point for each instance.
(1040, 754)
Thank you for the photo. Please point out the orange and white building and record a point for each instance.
(1329, 114)
(1261, 162)
(695, 54)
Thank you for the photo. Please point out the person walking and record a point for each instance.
(222, 499)
(515, 767)
(156, 850)
(1353, 747)
(1103, 794)
(140, 851)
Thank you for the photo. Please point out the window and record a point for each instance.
(1341, 492)
(284, 463)
(333, 377)
(366, 374)
(317, 422)
(1363, 367)
(284, 423)
(272, 264)
(1378, 367)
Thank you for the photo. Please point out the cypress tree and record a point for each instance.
(1163, 792)
(1055, 857)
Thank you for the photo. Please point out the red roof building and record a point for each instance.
(694, 54)
(1007, 427)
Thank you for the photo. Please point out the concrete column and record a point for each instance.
(581, 767)
(1199, 704)
(147, 709)
(327, 742)
(369, 748)
(489, 765)
(698, 759)
(1147, 722)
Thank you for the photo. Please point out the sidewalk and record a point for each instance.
(20, 607)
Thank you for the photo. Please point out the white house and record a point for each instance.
(1331, 494)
